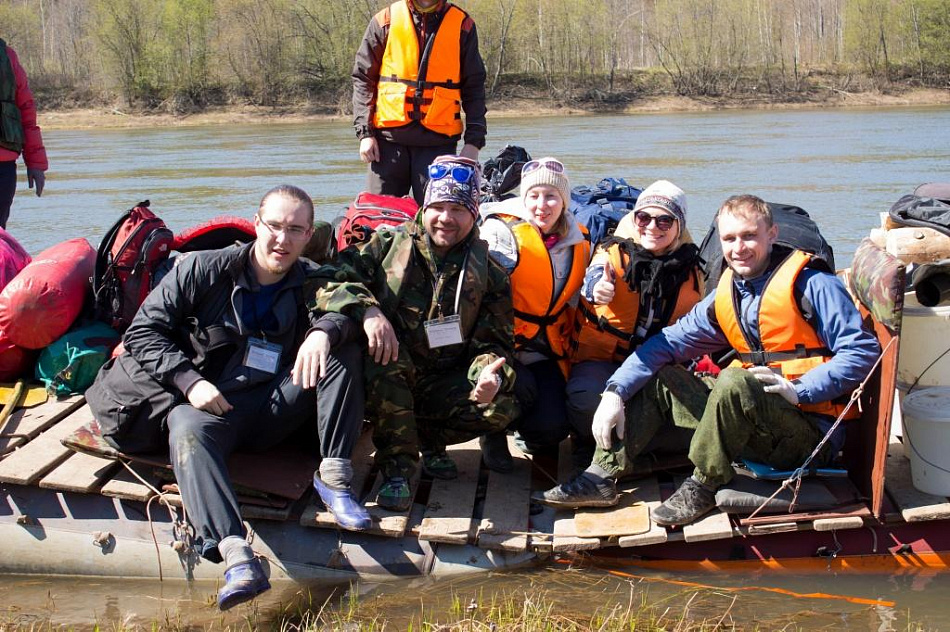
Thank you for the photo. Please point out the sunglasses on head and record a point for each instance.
(534, 165)
(459, 173)
(663, 222)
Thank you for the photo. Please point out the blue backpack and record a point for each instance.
(600, 208)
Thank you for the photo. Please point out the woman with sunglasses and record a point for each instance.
(641, 279)
(546, 252)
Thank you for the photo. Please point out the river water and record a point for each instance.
(843, 166)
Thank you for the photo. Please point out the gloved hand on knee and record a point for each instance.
(609, 416)
(775, 383)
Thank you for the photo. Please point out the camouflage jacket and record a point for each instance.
(398, 272)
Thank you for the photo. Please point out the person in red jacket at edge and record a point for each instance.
(18, 132)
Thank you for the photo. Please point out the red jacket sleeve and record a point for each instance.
(34, 153)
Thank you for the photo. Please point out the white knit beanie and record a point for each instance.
(544, 175)
(666, 196)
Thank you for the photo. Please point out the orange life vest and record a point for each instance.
(606, 332)
(786, 340)
(424, 86)
(536, 307)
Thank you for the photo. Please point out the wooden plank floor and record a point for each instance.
(482, 507)
(448, 516)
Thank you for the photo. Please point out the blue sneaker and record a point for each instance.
(347, 511)
(242, 582)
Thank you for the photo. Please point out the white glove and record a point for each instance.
(775, 383)
(609, 416)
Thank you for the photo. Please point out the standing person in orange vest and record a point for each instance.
(18, 132)
(416, 70)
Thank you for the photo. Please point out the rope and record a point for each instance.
(800, 472)
(180, 528)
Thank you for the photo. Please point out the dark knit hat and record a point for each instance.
(453, 179)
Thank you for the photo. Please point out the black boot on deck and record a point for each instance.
(691, 501)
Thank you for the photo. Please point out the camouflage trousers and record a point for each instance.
(413, 410)
(731, 416)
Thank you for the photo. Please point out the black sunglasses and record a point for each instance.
(663, 222)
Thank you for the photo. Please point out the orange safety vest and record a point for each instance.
(532, 289)
(786, 340)
(606, 332)
(422, 88)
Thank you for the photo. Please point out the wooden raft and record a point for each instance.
(481, 507)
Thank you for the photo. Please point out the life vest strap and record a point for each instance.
(761, 358)
(542, 321)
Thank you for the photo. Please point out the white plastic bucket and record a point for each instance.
(925, 346)
(927, 438)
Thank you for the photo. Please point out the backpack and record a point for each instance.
(70, 364)
(370, 212)
(126, 263)
(501, 175)
(796, 229)
(601, 207)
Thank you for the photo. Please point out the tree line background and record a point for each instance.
(184, 55)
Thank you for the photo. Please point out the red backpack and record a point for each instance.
(370, 211)
(126, 262)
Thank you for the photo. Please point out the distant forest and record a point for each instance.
(185, 55)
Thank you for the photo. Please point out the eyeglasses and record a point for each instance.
(291, 232)
(459, 173)
(663, 222)
(534, 165)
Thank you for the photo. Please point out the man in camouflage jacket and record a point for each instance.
(437, 314)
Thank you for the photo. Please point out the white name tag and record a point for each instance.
(262, 355)
(443, 332)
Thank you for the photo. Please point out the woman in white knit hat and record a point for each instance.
(643, 278)
(545, 251)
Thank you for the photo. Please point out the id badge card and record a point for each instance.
(262, 355)
(442, 332)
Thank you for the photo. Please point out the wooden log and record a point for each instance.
(27, 423)
(126, 486)
(81, 473)
(448, 515)
(838, 524)
(713, 526)
(506, 509)
(648, 492)
(31, 462)
(917, 245)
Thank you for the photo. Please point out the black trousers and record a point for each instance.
(7, 189)
(261, 417)
(402, 168)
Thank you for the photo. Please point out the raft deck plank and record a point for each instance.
(647, 491)
(838, 524)
(915, 505)
(505, 517)
(126, 486)
(565, 534)
(27, 423)
(448, 515)
(714, 526)
(35, 459)
(82, 473)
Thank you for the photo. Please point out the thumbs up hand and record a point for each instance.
(489, 381)
(604, 288)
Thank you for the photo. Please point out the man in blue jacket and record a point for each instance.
(802, 349)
